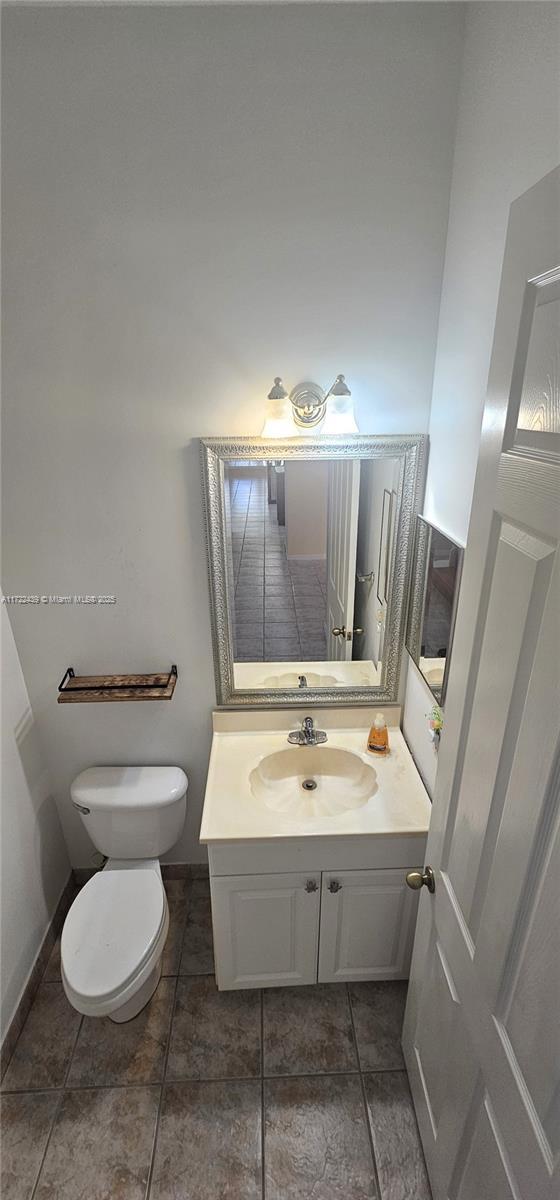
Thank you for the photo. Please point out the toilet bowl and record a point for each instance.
(113, 940)
(115, 932)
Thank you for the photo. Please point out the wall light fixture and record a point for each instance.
(309, 409)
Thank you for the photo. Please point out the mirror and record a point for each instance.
(436, 576)
(309, 549)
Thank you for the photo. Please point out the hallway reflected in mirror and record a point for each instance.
(309, 545)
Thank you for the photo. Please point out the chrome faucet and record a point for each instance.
(307, 735)
(302, 681)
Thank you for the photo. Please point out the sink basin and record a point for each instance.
(289, 679)
(435, 677)
(312, 781)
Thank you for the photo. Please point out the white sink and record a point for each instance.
(313, 781)
(289, 679)
(435, 677)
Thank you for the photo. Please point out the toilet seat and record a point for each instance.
(112, 938)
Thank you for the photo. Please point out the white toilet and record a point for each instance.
(115, 931)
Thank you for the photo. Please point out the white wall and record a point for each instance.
(507, 138)
(307, 488)
(418, 704)
(35, 865)
(195, 199)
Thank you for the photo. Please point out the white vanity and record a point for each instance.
(309, 845)
(308, 849)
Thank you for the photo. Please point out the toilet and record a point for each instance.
(114, 934)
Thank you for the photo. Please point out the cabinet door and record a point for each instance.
(367, 925)
(266, 929)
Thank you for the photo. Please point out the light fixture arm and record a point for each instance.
(338, 388)
(308, 403)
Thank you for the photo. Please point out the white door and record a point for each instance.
(342, 537)
(482, 1033)
(266, 929)
(367, 926)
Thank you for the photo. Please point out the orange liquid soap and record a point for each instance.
(378, 738)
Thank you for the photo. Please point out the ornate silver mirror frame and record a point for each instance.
(411, 450)
(417, 601)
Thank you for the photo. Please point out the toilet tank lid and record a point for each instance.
(129, 787)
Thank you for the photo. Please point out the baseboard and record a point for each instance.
(36, 974)
(185, 870)
(306, 558)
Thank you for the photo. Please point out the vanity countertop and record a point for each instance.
(398, 805)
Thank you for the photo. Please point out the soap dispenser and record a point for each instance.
(378, 739)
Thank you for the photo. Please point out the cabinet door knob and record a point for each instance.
(418, 879)
(311, 885)
(334, 886)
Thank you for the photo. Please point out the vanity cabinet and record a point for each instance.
(367, 926)
(306, 927)
(266, 929)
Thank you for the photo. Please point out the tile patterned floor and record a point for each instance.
(290, 1094)
(280, 605)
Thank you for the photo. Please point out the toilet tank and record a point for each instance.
(132, 812)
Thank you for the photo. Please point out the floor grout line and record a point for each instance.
(364, 1102)
(48, 1142)
(143, 1083)
(71, 1059)
(162, 1086)
(62, 1090)
(263, 1169)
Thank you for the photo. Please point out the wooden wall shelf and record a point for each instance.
(87, 689)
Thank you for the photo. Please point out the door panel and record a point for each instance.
(531, 1027)
(441, 1065)
(367, 926)
(342, 535)
(519, 570)
(438, 1031)
(266, 929)
(486, 1171)
(481, 1035)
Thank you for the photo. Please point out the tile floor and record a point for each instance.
(280, 606)
(290, 1094)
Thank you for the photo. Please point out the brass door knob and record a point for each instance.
(336, 632)
(418, 879)
(357, 631)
